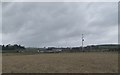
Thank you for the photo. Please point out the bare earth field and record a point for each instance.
(87, 62)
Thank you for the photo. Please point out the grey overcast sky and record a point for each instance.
(60, 24)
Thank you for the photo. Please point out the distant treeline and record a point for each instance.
(104, 47)
(90, 48)
(12, 47)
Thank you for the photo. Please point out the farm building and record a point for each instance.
(51, 50)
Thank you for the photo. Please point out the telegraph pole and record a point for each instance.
(82, 42)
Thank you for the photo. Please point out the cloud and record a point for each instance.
(59, 23)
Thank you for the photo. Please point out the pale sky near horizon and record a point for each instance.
(60, 24)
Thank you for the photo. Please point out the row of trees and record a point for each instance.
(12, 47)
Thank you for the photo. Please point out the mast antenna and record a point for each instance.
(82, 41)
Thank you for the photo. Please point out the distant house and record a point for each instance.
(57, 50)
(50, 50)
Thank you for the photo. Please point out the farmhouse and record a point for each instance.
(51, 50)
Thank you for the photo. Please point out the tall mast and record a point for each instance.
(82, 41)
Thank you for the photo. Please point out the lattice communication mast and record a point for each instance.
(82, 41)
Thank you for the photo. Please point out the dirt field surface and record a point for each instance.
(88, 62)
